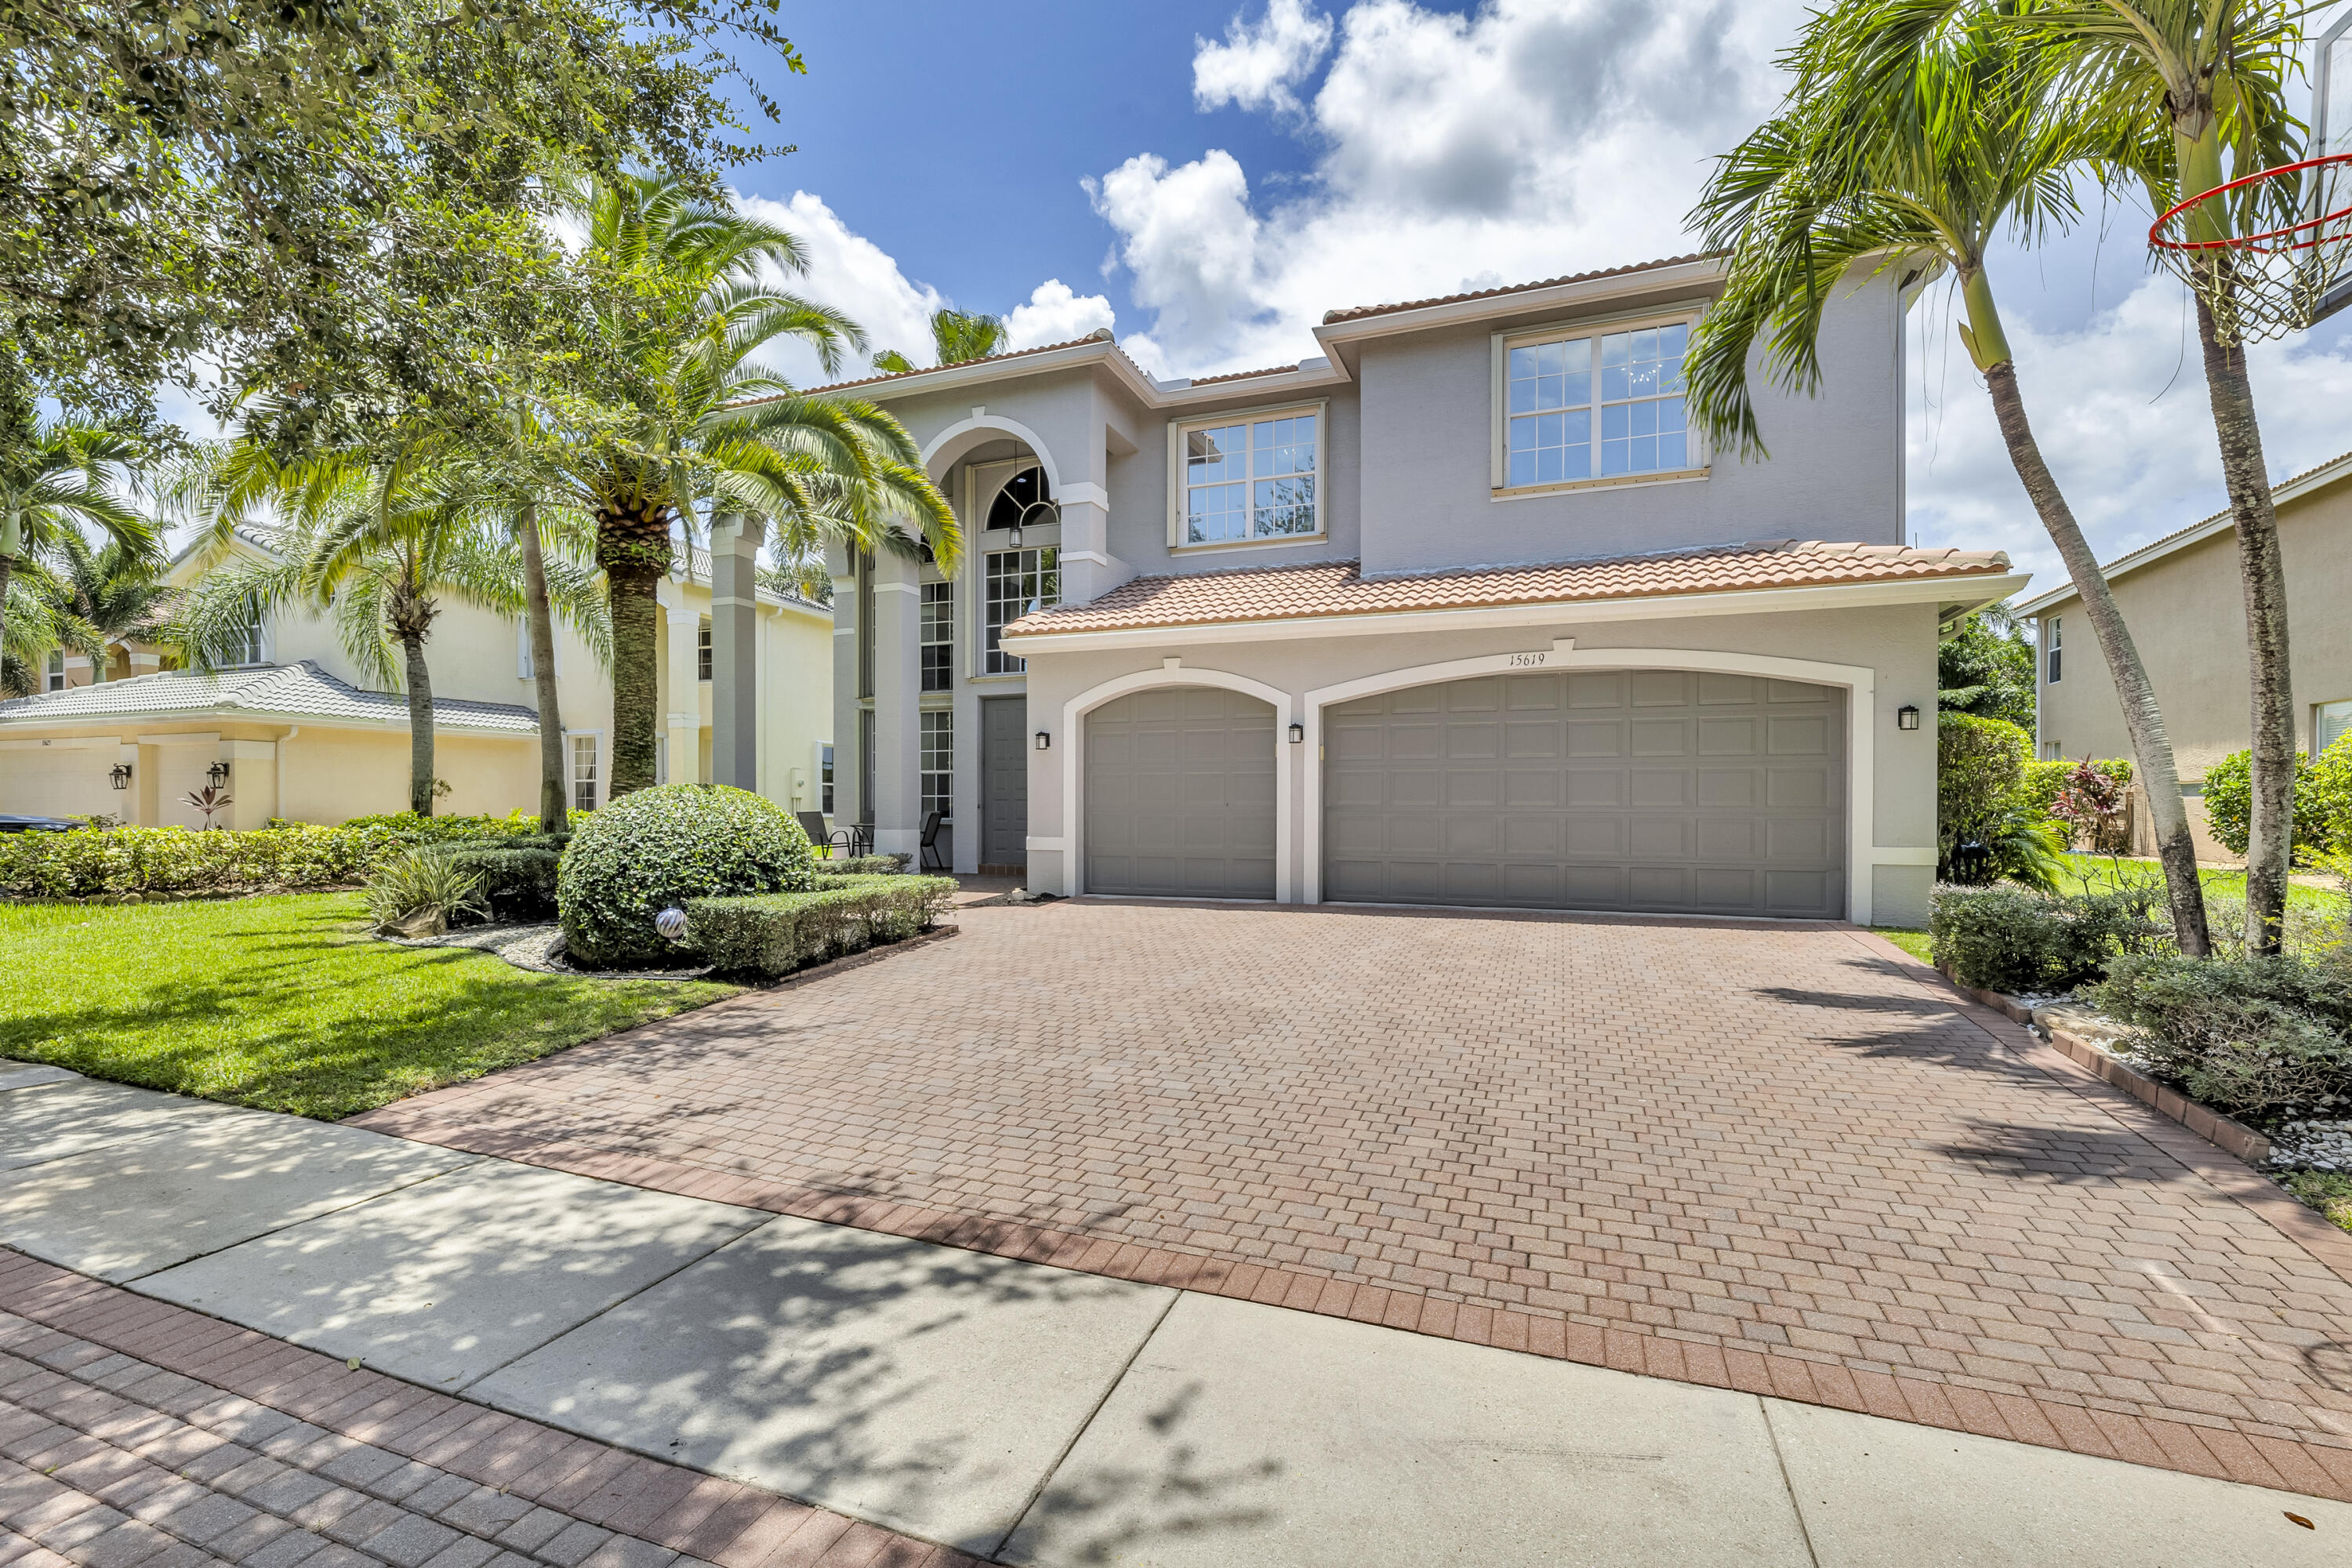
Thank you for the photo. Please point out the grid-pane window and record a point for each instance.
(250, 650)
(56, 671)
(1254, 480)
(583, 773)
(939, 635)
(702, 652)
(1018, 582)
(1596, 407)
(825, 779)
(938, 763)
(2334, 722)
(2057, 648)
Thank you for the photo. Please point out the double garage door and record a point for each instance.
(1658, 791)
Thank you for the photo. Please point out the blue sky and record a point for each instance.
(1207, 179)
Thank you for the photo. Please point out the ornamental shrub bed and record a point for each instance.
(2323, 801)
(2017, 940)
(2244, 1036)
(656, 848)
(147, 861)
(775, 934)
(515, 881)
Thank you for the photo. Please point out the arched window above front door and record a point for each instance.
(1022, 491)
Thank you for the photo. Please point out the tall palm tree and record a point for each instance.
(1916, 173)
(374, 546)
(690, 424)
(106, 595)
(956, 336)
(57, 478)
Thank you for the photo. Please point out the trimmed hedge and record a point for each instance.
(2015, 940)
(657, 848)
(2323, 800)
(517, 881)
(147, 861)
(863, 866)
(443, 829)
(776, 934)
(2244, 1035)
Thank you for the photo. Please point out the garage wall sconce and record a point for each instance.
(1906, 716)
(1045, 741)
(1299, 734)
(119, 775)
(217, 773)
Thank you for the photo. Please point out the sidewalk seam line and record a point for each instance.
(1796, 1504)
(291, 1224)
(1029, 1503)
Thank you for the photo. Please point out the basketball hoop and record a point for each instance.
(2266, 285)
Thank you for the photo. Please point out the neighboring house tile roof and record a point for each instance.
(1358, 312)
(296, 689)
(1340, 588)
(2293, 488)
(1099, 336)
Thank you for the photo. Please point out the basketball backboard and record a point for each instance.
(2331, 133)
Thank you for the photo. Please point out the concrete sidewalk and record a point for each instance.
(1024, 1413)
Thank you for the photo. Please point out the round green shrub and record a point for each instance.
(2323, 798)
(657, 847)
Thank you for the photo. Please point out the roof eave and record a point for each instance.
(1559, 296)
(1941, 590)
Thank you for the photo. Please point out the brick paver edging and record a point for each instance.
(2208, 1445)
(624, 1509)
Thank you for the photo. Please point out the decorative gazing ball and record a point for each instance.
(671, 923)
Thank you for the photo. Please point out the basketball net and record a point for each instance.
(2274, 282)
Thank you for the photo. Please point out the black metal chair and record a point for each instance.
(813, 824)
(931, 861)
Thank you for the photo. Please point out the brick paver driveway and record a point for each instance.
(1765, 1156)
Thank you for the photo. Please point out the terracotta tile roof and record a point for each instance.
(1340, 588)
(1242, 374)
(1358, 312)
(1099, 336)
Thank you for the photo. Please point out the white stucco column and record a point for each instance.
(847, 762)
(1088, 569)
(680, 696)
(735, 650)
(897, 695)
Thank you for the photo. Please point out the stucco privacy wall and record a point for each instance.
(2187, 615)
(1896, 645)
(1835, 472)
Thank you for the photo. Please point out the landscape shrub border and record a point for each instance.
(774, 934)
(120, 862)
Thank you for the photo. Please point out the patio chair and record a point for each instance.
(931, 861)
(813, 824)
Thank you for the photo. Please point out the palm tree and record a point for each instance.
(57, 479)
(373, 546)
(692, 425)
(106, 595)
(956, 336)
(1916, 173)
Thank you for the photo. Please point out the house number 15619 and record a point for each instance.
(1527, 660)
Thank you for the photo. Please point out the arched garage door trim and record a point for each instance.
(1073, 741)
(1859, 681)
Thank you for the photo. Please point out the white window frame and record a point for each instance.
(1178, 428)
(930, 723)
(53, 671)
(824, 778)
(262, 646)
(935, 603)
(2323, 715)
(523, 668)
(596, 782)
(2053, 646)
(706, 652)
(980, 627)
(1593, 329)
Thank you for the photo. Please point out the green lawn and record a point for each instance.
(1913, 942)
(2097, 873)
(285, 1004)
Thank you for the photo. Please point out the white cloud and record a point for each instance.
(2120, 410)
(1255, 68)
(1533, 138)
(1056, 314)
(855, 276)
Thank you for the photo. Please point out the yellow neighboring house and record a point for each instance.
(300, 737)
(2186, 605)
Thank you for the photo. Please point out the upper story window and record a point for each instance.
(1024, 489)
(253, 650)
(702, 652)
(1017, 581)
(57, 670)
(939, 635)
(1580, 407)
(2057, 648)
(1255, 477)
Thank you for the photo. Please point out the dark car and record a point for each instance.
(9, 824)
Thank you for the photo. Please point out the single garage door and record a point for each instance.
(57, 781)
(1648, 790)
(1179, 794)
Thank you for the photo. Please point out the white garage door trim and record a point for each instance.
(1073, 741)
(1859, 681)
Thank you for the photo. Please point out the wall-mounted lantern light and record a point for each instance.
(217, 773)
(120, 777)
(1045, 741)
(1297, 734)
(1906, 716)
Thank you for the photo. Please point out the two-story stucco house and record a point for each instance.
(1458, 611)
(2185, 601)
(293, 731)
